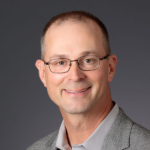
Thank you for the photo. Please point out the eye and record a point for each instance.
(61, 62)
(88, 60)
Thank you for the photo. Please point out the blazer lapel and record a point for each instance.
(119, 134)
(50, 145)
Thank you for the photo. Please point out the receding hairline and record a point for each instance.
(75, 16)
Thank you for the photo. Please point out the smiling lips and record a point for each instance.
(76, 92)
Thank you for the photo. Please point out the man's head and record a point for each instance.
(76, 91)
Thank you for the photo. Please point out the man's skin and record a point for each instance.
(82, 112)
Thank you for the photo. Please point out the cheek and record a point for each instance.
(53, 79)
(53, 83)
(99, 78)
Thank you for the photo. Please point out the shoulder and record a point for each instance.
(44, 143)
(125, 134)
(139, 137)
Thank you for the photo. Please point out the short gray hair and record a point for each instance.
(75, 16)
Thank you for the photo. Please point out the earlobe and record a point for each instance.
(40, 66)
(112, 63)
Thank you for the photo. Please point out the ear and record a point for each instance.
(41, 68)
(112, 63)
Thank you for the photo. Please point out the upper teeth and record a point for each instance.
(76, 91)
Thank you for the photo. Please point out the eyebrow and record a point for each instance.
(58, 56)
(88, 53)
(66, 56)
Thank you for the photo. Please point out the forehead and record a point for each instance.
(73, 38)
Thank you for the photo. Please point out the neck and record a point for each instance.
(80, 126)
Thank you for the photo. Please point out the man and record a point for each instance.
(76, 69)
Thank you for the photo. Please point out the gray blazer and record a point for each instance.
(123, 135)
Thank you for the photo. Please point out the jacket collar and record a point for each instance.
(119, 134)
(50, 145)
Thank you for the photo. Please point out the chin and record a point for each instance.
(76, 109)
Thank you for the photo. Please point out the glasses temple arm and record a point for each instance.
(104, 57)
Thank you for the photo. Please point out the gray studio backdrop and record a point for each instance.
(26, 112)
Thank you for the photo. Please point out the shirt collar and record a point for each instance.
(97, 137)
(62, 141)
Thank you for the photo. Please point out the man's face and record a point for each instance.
(76, 91)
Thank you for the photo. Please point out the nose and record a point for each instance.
(75, 73)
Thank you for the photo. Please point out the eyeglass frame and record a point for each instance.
(47, 63)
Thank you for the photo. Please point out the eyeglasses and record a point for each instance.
(85, 63)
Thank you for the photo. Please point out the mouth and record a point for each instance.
(77, 91)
